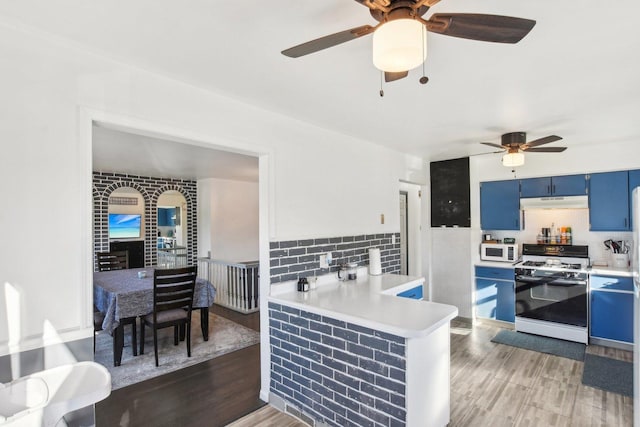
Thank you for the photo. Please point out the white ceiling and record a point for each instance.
(125, 152)
(575, 74)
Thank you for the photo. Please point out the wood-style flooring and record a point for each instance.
(491, 385)
(499, 385)
(212, 393)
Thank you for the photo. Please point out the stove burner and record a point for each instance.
(555, 263)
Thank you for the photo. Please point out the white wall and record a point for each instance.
(319, 183)
(232, 209)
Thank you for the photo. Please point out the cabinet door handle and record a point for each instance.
(553, 189)
(548, 189)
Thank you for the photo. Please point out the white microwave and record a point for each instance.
(505, 252)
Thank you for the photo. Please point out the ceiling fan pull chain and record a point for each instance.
(424, 79)
(381, 78)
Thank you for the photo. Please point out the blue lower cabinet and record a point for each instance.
(495, 298)
(506, 306)
(413, 293)
(612, 315)
(486, 298)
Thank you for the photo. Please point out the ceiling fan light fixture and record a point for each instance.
(513, 159)
(399, 45)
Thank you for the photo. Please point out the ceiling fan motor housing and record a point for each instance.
(514, 139)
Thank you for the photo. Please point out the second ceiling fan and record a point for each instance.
(514, 144)
(399, 43)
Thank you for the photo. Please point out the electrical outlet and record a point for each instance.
(323, 261)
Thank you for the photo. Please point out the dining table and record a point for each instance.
(128, 293)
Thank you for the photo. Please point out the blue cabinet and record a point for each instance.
(495, 293)
(612, 308)
(413, 293)
(166, 217)
(609, 201)
(500, 205)
(634, 181)
(569, 185)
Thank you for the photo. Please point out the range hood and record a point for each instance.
(557, 202)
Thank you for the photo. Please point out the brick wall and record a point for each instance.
(292, 259)
(336, 372)
(150, 188)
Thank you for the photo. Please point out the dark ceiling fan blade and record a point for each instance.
(491, 144)
(488, 28)
(391, 76)
(545, 140)
(328, 41)
(545, 150)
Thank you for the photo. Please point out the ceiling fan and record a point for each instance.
(399, 38)
(514, 144)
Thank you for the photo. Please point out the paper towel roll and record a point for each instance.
(375, 265)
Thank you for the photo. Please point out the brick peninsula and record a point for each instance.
(356, 353)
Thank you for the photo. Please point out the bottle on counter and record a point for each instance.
(552, 237)
(563, 235)
(569, 238)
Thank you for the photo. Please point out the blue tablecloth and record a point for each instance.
(120, 294)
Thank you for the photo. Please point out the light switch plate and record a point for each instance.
(323, 261)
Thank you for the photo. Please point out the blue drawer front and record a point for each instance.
(413, 293)
(495, 273)
(611, 283)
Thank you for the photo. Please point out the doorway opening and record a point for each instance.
(149, 154)
(404, 237)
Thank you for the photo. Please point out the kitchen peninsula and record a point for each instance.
(355, 351)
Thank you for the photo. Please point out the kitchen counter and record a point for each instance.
(611, 271)
(496, 264)
(347, 347)
(371, 301)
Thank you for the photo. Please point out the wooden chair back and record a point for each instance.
(173, 289)
(114, 260)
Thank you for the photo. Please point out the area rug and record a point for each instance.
(608, 374)
(562, 348)
(225, 336)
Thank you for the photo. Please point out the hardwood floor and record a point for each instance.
(498, 385)
(268, 416)
(491, 385)
(212, 393)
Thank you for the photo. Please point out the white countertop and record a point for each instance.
(371, 301)
(611, 271)
(496, 264)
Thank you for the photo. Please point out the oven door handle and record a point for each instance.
(527, 279)
(566, 283)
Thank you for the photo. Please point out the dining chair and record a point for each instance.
(114, 260)
(118, 260)
(172, 304)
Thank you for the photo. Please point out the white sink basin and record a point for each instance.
(43, 398)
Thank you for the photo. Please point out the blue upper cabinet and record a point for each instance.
(500, 205)
(166, 217)
(609, 201)
(634, 181)
(569, 185)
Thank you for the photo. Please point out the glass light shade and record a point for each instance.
(399, 45)
(513, 159)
